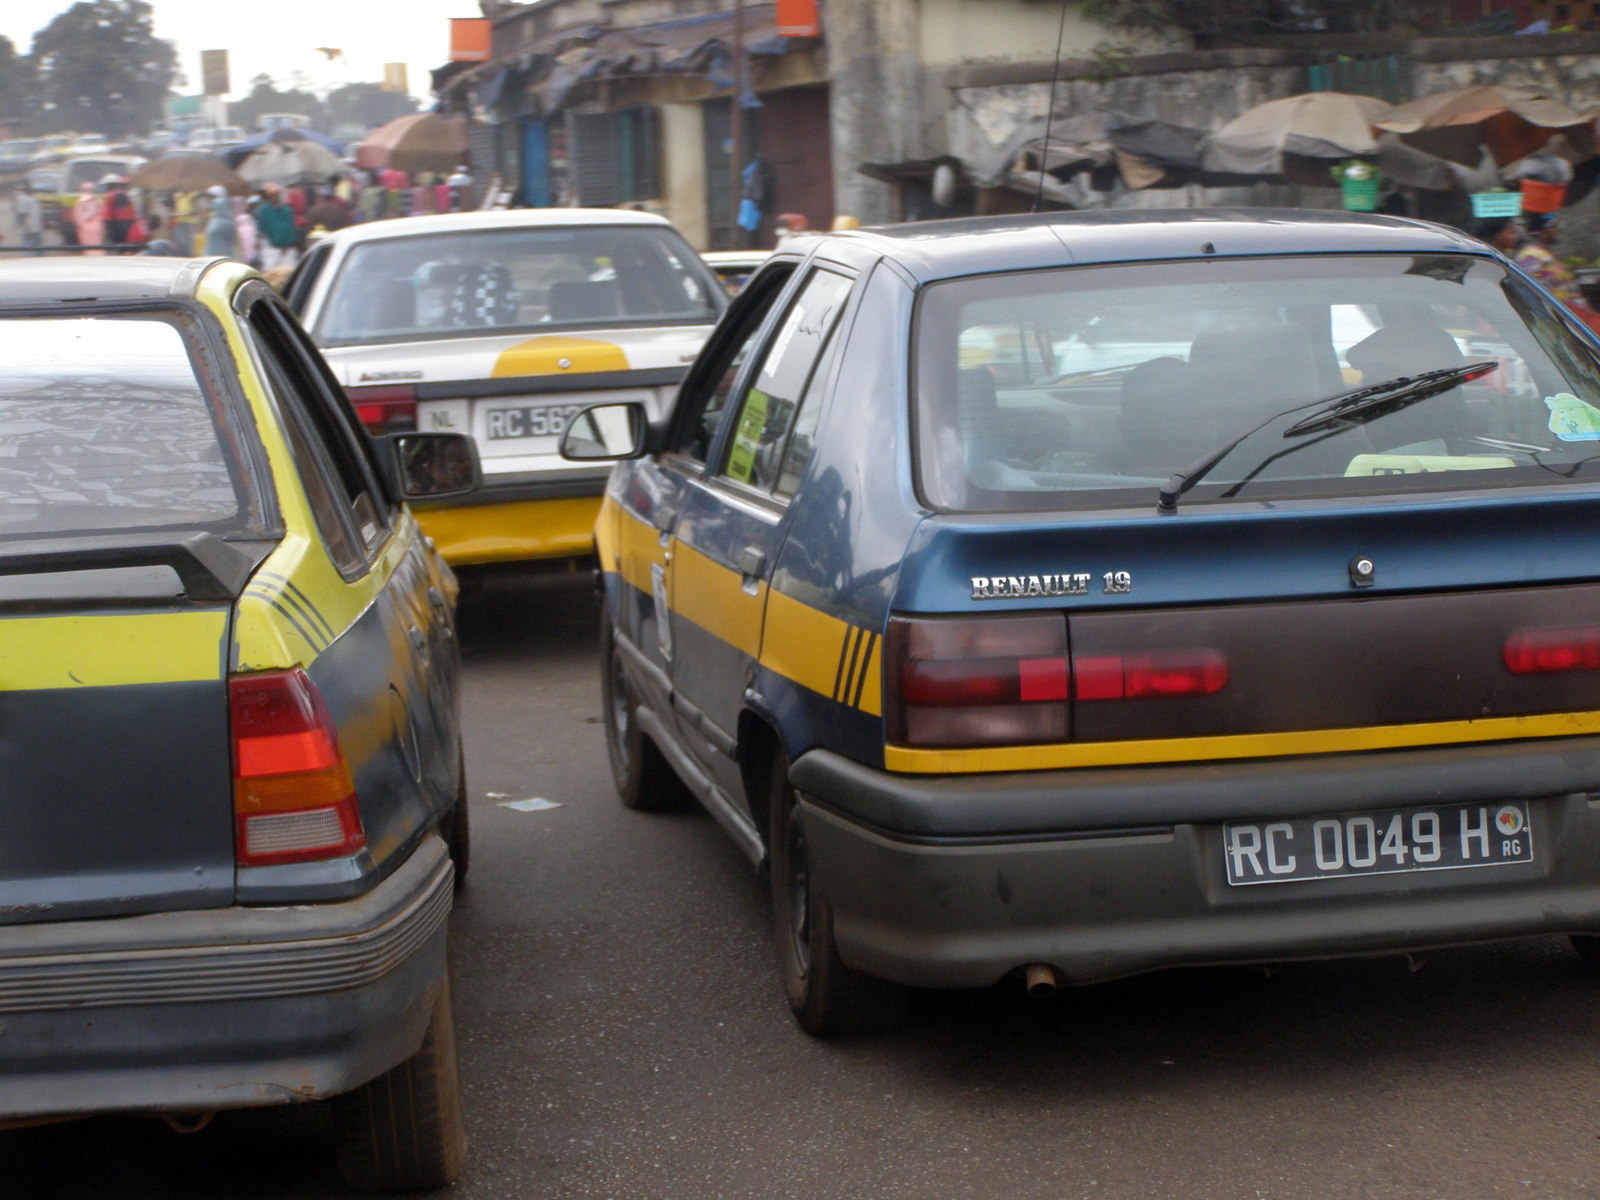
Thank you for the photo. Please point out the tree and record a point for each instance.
(367, 105)
(101, 68)
(16, 81)
(264, 97)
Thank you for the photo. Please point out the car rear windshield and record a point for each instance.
(447, 284)
(1092, 386)
(105, 425)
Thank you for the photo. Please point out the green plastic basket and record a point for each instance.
(1497, 204)
(1360, 195)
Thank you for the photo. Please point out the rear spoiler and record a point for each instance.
(210, 568)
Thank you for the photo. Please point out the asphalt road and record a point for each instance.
(623, 1035)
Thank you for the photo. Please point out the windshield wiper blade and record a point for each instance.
(1364, 404)
(1351, 408)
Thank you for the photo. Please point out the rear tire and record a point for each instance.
(1587, 947)
(403, 1131)
(826, 996)
(644, 779)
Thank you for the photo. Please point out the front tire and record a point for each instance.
(644, 779)
(403, 1131)
(825, 995)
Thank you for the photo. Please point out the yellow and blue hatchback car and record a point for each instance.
(502, 325)
(1069, 596)
(232, 786)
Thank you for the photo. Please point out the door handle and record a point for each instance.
(752, 562)
(662, 517)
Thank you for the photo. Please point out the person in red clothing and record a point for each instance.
(119, 213)
(295, 197)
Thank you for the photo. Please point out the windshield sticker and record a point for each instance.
(1571, 419)
(1422, 464)
(747, 438)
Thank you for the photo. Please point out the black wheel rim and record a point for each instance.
(799, 892)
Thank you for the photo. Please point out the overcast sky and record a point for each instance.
(280, 37)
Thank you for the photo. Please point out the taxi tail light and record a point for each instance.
(385, 409)
(293, 796)
(977, 681)
(1541, 651)
(1148, 676)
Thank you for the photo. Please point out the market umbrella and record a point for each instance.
(1110, 146)
(290, 162)
(417, 142)
(256, 141)
(1402, 163)
(187, 174)
(1512, 122)
(1269, 138)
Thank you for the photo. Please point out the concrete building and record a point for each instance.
(907, 109)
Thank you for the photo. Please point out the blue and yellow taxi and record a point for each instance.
(230, 756)
(501, 326)
(1067, 596)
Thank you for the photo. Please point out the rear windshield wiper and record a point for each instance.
(1343, 410)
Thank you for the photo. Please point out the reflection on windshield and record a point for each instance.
(103, 425)
(446, 284)
(1095, 385)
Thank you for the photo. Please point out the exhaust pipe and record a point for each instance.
(1041, 980)
(188, 1122)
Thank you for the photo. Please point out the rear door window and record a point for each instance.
(112, 422)
(768, 408)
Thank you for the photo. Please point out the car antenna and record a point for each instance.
(1050, 107)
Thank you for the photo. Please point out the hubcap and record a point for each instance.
(621, 709)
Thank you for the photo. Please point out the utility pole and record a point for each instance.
(736, 127)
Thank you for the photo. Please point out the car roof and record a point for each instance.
(80, 278)
(513, 218)
(933, 250)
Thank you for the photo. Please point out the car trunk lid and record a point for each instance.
(1256, 632)
(115, 755)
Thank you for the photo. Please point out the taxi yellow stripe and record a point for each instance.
(549, 354)
(713, 597)
(814, 652)
(639, 548)
(109, 651)
(1241, 745)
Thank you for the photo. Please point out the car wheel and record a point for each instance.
(457, 830)
(645, 780)
(1587, 946)
(826, 996)
(403, 1131)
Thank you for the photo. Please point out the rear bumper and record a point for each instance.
(226, 1008)
(496, 528)
(953, 882)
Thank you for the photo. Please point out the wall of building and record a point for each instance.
(683, 153)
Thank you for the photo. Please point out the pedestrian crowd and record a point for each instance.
(268, 230)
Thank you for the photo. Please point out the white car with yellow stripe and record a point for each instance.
(502, 325)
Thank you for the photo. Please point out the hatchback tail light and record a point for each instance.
(977, 681)
(1537, 651)
(385, 409)
(293, 797)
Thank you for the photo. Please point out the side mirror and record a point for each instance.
(606, 433)
(430, 466)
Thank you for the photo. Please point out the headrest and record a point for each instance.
(1405, 348)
